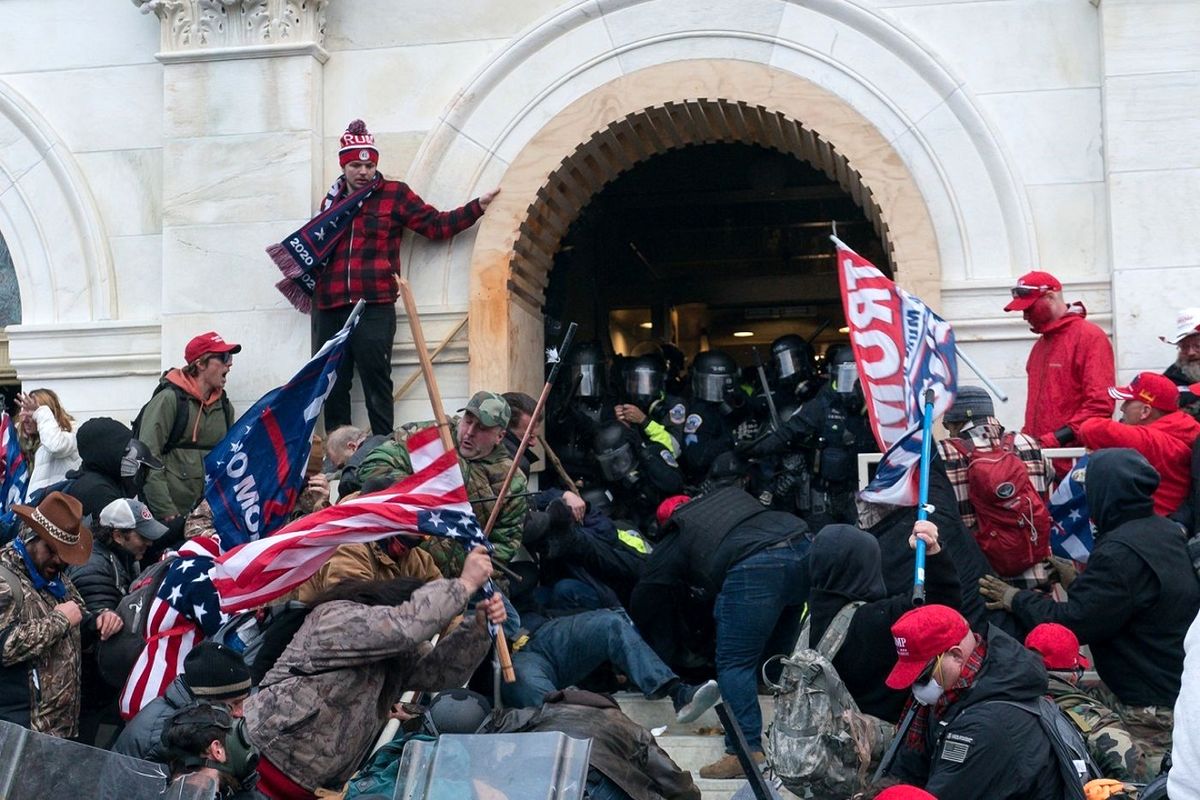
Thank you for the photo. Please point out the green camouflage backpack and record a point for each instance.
(819, 741)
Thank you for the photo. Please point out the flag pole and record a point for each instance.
(918, 596)
(986, 381)
(443, 424)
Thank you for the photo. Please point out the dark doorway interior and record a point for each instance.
(713, 246)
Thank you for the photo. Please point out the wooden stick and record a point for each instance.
(437, 351)
(439, 414)
(555, 462)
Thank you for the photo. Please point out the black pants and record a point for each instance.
(371, 350)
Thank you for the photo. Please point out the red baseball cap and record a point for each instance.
(1057, 645)
(210, 342)
(1030, 288)
(1156, 391)
(904, 792)
(921, 635)
(667, 507)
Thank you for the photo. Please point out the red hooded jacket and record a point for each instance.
(1070, 369)
(1166, 443)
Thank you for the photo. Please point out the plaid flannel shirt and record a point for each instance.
(367, 257)
(986, 435)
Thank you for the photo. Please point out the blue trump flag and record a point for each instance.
(1072, 534)
(254, 476)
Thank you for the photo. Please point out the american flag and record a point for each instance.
(14, 475)
(184, 611)
(433, 500)
(1072, 534)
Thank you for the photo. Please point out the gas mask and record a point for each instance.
(136, 464)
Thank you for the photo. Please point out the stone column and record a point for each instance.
(242, 168)
(1151, 87)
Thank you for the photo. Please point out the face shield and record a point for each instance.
(589, 379)
(845, 376)
(786, 363)
(711, 388)
(616, 464)
(643, 383)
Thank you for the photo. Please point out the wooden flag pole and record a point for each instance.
(554, 460)
(443, 423)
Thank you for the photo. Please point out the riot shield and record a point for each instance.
(34, 766)
(500, 766)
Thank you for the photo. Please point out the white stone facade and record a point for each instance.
(146, 159)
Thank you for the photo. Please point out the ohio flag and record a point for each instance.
(902, 349)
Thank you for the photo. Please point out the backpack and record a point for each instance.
(179, 424)
(16, 587)
(262, 635)
(1013, 522)
(117, 655)
(1075, 764)
(819, 741)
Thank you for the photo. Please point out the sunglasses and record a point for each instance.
(1029, 291)
(224, 358)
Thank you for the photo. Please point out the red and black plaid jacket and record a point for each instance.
(367, 257)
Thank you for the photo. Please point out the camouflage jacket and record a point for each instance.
(1109, 743)
(318, 710)
(39, 656)
(483, 477)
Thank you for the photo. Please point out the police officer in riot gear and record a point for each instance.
(793, 369)
(638, 472)
(579, 413)
(716, 406)
(659, 416)
(819, 447)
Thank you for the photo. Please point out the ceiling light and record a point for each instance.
(646, 325)
(844, 329)
(742, 334)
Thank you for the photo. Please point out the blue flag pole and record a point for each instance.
(923, 496)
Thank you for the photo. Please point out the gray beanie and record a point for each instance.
(971, 403)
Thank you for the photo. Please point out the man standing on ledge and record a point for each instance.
(364, 265)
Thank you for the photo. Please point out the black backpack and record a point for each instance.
(179, 424)
(116, 655)
(1075, 765)
(261, 636)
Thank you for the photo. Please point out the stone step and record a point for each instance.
(658, 713)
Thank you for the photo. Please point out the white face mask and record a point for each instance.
(927, 693)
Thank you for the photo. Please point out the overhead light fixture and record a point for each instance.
(646, 325)
(844, 329)
(742, 334)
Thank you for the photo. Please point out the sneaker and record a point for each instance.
(692, 701)
(727, 767)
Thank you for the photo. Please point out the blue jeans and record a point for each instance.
(566, 650)
(758, 615)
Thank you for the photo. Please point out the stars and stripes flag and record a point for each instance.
(184, 611)
(255, 474)
(1072, 534)
(15, 473)
(433, 501)
(901, 349)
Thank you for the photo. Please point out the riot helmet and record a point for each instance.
(460, 711)
(587, 370)
(644, 378)
(714, 375)
(843, 371)
(614, 453)
(792, 358)
(598, 499)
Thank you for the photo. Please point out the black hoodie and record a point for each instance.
(844, 566)
(97, 482)
(987, 749)
(1134, 602)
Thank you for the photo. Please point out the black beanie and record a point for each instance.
(213, 671)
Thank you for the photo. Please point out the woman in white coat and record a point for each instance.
(45, 422)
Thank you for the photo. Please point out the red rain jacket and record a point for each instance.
(1167, 445)
(1070, 370)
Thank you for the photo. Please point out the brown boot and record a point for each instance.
(727, 766)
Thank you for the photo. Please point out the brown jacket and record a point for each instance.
(39, 656)
(321, 706)
(367, 562)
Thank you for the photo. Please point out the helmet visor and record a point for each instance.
(710, 387)
(786, 364)
(616, 464)
(643, 383)
(588, 376)
(845, 376)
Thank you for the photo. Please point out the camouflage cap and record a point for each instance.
(491, 408)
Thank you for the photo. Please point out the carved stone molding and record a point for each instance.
(209, 30)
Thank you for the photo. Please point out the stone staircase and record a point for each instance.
(692, 745)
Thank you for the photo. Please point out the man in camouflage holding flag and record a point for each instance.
(478, 433)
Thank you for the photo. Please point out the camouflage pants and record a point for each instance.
(1149, 728)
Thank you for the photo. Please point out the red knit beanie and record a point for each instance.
(357, 144)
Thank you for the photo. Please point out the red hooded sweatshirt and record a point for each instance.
(1070, 369)
(1166, 443)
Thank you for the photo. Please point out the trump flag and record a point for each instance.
(253, 477)
(14, 469)
(901, 349)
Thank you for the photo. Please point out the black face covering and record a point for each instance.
(844, 566)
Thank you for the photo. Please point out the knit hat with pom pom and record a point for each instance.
(357, 144)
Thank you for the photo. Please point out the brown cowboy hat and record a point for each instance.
(58, 521)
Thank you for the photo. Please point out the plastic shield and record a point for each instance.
(502, 766)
